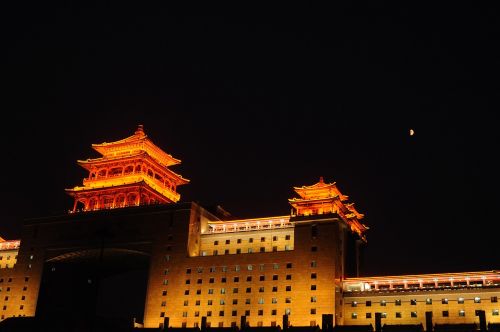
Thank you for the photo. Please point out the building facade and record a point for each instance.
(202, 266)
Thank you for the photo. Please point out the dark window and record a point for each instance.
(494, 299)
(275, 288)
(223, 279)
(226, 251)
(262, 278)
(273, 312)
(288, 265)
(198, 292)
(313, 287)
(211, 280)
(446, 313)
(228, 241)
(413, 314)
(236, 279)
(368, 303)
(216, 243)
(238, 241)
(287, 237)
(247, 312)
(413, 302)
(262, 239)
(275, 277)
(238, 251)
(249, 290)
(397, 302)
(262, 249)
(250, 240)
(288, 288)
(261, 312)
(314, 248)
(288, 277)
(234, 313)
(249, 278)
(398, 315)
(188, 271)
(221, 313)
(368, 315)
(186, 292)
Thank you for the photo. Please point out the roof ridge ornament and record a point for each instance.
(140, 130)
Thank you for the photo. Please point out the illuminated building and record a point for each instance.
(199, 264)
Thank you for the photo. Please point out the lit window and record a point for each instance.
(460, 300)
(250, 250)
(276, 266)
(413, 314)
(397, 302)
(413, 302)
(314, 264)
(222, 302)
(274, 300)
(383, 303)
(477, 300)
(495, 312)
(354, 304)
(383, 315)
(237, 268)
(249, 267)
(184, 314)
(261, 300)
(223, 291)
(444, 301)
(209, 302)
(354, 315)
(210, 291)
(428, 301)
(461, 313)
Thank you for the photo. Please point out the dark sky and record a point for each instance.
(256, 100)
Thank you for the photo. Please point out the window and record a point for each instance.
(196, 314)
(313, 299)
(273, 312)
(288, 265)
(444, 301)
(247, 312)
(237, 268)
(223, 291)
(216, 243)
(226, 251)
(249, 267)
(23, 298)
(209, 313)
(224, 268)
(428, 301)
(247, 301)
(235, 290)
(288, 247)
(314, 231)
(398, 315)
(262, 249)
(288, 288)
(222, 302)
(446, 313)
(495, 312)
(477, 300)
(275, 248)
(354, 315)
(221, 313)
(165, 282)
(209, 302)
(313, 287)
(236, 279)
(288, 300)
(235, 301)
(211, 280)
(213, 269)
(314, 276)
(368, 315)
(494, 299)
(368, 303)
(397, 302)
(274, 300)
(165, 272)
(260, 312)
(460, 300)
(262, 239)
(223, 280)
(275, 288)
(314, 264)
(188, 271)
(275, 277)
(413, 314)
(250, 250)
(199, 281)
(250, 240)
(186, 303)
(238, 251)
(228, 241)
(261, 300)
(215, 252)
(249, 278)
(383, 315)
(262, 278)
(275, 238)
(238, 241)
(234, 313)
(261, 289)
(461, 313)
(413, 302)
(288, 277)
(162, 314)
(184, 314)
(198, 292)
(287, 237)
(383, 303)
(314, 248)
(210, 291)
(186, 292)
(276, 266)
(188, 281)
(197, 302)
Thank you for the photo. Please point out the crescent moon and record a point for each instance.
(412, 132)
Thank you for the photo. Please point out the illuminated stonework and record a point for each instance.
(132, 171)
(325, 198)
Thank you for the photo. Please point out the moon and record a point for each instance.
(412, 132)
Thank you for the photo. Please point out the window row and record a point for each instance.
(413, 314)
(248, 250)
(247, 290)
(250, 240)
(234, 313)
(249, 267)
(398, 302)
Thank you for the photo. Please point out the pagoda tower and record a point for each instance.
(325, 198)
(131, 172)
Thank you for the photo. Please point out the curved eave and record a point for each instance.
(162, 157)
(315, 200)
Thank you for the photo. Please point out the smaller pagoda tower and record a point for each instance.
(326, 198)
(132, 171)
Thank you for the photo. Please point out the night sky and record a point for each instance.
(256, 100)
